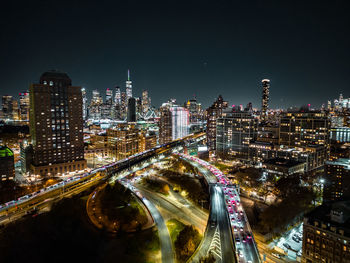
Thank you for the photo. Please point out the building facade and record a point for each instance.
(7, 164)
(213, 113)
(56, 125)
(173, 123)
(326, 234)
(234, 132)
(337, 180)
(265, 99)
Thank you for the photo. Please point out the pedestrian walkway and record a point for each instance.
(215, 245)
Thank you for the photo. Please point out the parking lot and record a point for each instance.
(291, 242)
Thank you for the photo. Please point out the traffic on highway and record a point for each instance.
(31, 200)
(245, 246)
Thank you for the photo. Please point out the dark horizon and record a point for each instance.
(177, 50)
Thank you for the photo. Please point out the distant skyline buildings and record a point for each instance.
(204, 98)
(238, 98)
(265, 99)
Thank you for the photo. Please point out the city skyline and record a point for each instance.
(234, 47)
(213, 131)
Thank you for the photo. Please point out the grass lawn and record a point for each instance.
(174, 227)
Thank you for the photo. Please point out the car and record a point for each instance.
(299, 235)
(238, 241)
(287, 245)
(235, 229)
(276, 255)
(244, 239)
(296, 239)
(240, 253)
(213, 223)
(249, 236)
(241, 229)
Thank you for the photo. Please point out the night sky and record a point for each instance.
(181, 48)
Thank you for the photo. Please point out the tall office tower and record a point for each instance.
(117, 104)
(24, 106)
(117, 99)
(214, 112)
(123, 141)
(107, 107)
(7, 107)
(265, 99)
(95, 105)
(195, 110)
(128, 86)
(124, 104)
(145, 102)
(329, 105)
(173, 123)
(234, 132)
(326, 233)
(15, 110)
(109, 96)
(83, 94)
(131, 110)
(56, 125)
(337, 180)
(301, 129)
(138, 106)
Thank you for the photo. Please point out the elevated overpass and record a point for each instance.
(23, 205)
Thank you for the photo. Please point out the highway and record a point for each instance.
(244, 243)
(179, 211)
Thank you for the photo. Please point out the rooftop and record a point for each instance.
(5, 151)
(334, 214)
(282, 162)
(341, 161)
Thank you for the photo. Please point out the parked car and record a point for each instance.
(287, 245)
(295, 239)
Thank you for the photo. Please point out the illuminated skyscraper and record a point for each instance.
(116, 111)
(174, 122)
(24, 105)
(234, 132)
(83, 94)
(95, 105)
(106, 109)
(56, 125)
(128, 86)
(124, 104)
(214, 112)
(265, 99)
(7, 107)
(145, 101)
(109, 96)
(117, 99)
(195, 110)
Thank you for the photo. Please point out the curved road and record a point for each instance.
(164, 237)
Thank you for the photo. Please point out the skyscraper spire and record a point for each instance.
(128, 86)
